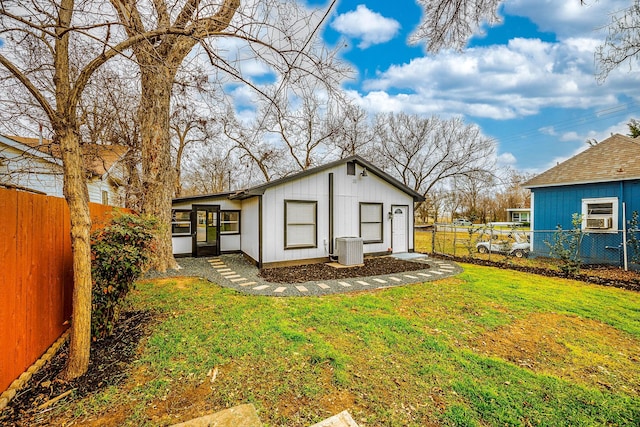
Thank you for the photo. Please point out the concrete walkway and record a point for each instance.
(233, 271)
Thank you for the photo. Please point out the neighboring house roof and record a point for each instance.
(616, 158)
(99, 158)
(260, 189)
(15, 143)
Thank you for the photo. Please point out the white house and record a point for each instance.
(519, 215)
(298, 219)
(34, 164)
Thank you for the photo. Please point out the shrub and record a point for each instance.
(566, 246)
(119, 252)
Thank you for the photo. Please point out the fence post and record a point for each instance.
(624, 236)
(433, 239)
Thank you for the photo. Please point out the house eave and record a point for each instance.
(188, 199)
(564, 184)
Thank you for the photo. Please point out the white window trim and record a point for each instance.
(222, 221)
(614, 214)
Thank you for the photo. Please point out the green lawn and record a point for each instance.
(488, 347)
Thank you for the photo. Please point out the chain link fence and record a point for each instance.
(502, 242)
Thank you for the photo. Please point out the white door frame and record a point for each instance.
(394, 248)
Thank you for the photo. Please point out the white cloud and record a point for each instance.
(567, 18)
(500, 82)
(507, 159)
(368, 26)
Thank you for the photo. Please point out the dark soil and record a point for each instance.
(315, 272)
(111, 358)
(605, 275)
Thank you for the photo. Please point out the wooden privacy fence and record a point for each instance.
(37, 276)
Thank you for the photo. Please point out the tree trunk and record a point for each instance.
(76, 194)
(157, 169)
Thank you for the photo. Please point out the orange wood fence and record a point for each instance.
(36, 274)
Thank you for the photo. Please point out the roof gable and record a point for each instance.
(260, 189)
(616, 158)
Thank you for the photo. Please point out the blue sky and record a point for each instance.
(529, 83)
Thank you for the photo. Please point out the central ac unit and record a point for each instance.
(599, 222)
(350, 250)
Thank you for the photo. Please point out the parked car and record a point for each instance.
(518, 248)
(462, 221)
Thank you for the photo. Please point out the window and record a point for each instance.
(300, 219)
(229, 222)
(600, 214)
(105, 197)
(351, 168)
(371, 222)
(181, 223)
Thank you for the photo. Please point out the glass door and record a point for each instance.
(206, 231)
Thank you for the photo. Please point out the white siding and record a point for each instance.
(349, 192)
(181, 245)
(249, 237)
(97, 185)
(36, 173)
(228, 242)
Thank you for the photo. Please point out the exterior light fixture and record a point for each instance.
(364, 172)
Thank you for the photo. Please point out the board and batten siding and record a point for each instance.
(348, 192)
(249, 228)
(313, 188)
(554, 206)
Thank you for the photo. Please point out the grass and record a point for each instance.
(488, 347)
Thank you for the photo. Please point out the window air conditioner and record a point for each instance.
(599, 222)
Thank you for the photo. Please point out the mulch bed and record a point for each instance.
(315, 272)
(605, 275)
(111, 359)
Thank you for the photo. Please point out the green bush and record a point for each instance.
(119, 252)
(565, 245)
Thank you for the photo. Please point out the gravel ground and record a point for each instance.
(384, 273)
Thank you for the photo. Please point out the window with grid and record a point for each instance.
(229, 222)
(181, 223)
(300, 217)
(371, 222)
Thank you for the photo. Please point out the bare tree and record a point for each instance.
(423, 152)
(255, 151)
(450, 23)
(193, 121)
(303, 124)
(270, 30)
(107, 115)
(472, 188)
(212, 170)
(39, 39)
(354, 133)
(290, 131)
(622, 44)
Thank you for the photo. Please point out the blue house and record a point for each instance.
(602, 185)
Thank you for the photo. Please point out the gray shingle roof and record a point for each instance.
(616, 158)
